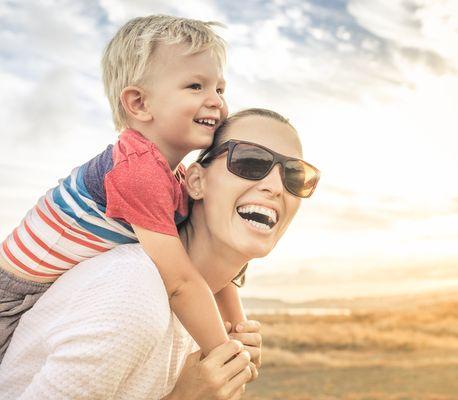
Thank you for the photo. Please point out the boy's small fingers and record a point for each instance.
(248, 339)
(228, 326)
(249, 326)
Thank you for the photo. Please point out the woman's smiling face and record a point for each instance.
(228, 200)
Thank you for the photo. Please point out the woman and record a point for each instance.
(105, 330)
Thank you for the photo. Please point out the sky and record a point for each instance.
(370, 85)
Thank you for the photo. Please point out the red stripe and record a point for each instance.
(66, 235)
(61, 221)
(29, 254)
(48, 249)
(24, 267)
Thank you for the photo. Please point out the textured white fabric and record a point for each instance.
(104, 330)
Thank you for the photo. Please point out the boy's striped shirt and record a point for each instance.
(90, 211)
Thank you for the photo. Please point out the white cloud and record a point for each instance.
(421, 24)
(119, 11)
(52, 52)
(47, 33)
(373, 113)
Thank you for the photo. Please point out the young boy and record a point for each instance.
(163, 78)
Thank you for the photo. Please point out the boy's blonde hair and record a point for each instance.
(128, 54)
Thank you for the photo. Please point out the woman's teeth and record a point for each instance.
(251, 209)
(259, 225)
(260, 217)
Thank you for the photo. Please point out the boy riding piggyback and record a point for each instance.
(163, 78)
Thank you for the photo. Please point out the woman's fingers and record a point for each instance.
(233, 367)
(221, 354)
(255, 355)
(254, 372)
(248, 333)
(193, 358)
(221, 375)
(226, 369)
(252, 343)
(238, 394)
(237, 383)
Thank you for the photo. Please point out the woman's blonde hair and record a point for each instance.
(131, 50)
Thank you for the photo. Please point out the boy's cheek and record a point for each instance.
(225, 110)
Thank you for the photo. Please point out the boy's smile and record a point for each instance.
(184, 94)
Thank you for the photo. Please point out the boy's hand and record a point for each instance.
(248, 332)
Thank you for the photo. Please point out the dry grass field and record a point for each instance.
(399, 354)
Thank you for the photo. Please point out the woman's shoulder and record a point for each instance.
(127, 264)
(124, 281)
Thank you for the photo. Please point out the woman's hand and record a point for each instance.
(221, 375)
(248, 332)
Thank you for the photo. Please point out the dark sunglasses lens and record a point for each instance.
(300, 178)
(249, 161)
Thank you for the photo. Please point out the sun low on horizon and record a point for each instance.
(371, 86)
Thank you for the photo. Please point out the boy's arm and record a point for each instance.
(230, 305)
(190, 297)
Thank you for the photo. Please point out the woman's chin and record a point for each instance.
(256, 241)
(256, 250)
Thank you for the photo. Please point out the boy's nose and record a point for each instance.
(215, 100)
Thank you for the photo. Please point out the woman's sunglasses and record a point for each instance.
(254, 162)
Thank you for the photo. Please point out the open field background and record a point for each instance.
(406, 351)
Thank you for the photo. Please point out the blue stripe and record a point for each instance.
(94, 229)
(81, 188)
(78, 200)
(125, 225)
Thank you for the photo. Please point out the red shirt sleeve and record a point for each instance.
(141, 188)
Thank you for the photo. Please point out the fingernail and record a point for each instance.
(239, 328)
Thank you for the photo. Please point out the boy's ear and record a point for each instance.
(133, 101)
(195, 181)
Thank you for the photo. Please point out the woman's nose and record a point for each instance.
(272, 183)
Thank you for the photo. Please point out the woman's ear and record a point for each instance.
(133, 102)
(195, 180)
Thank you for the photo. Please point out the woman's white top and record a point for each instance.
(104, 330)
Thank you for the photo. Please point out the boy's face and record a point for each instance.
(185, 97)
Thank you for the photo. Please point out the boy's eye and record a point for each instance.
(195, 86)
(220, 91)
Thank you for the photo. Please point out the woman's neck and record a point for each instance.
(216, 263)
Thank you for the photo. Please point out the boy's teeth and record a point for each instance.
(206, 121)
